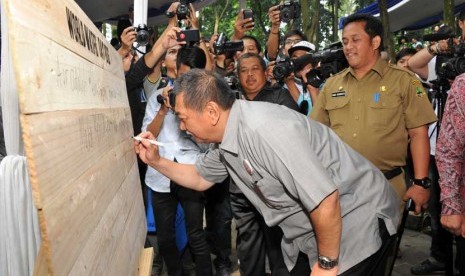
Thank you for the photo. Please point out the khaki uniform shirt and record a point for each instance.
(373, 114)
(286, 164)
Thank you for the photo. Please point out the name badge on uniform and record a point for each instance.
(338, 94)
(248, 167)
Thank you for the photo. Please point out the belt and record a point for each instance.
(392, 173)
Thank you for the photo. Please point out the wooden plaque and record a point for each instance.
(77, 130)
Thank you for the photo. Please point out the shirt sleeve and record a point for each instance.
(210, 167)
(450, 152)
(153, 106)
(416, 105)
(286, 99)
(319, 112)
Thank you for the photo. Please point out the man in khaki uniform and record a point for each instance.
(376, 108)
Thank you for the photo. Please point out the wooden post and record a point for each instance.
(77, 129)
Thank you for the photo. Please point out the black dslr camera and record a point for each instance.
(183, 9)
(289, 10)
(284, 68)
(452, 64)
(143, 35)
(332, 60)
(223, 46)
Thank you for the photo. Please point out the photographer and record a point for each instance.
(163, 123)
(292, 37)
(424, 63)
(296, 82)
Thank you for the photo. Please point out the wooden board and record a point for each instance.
(77, 131)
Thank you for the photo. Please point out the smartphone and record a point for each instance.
(247, 13)
(190, 36)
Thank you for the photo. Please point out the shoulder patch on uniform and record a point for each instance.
(420, 91)
(416, 82)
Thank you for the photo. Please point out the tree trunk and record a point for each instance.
(258, 10)
(449, 18)
(310, 19)
(388, 42)
(335, 20)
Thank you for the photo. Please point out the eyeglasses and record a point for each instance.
(292, 41)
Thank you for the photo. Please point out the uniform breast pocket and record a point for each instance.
(272, 193)
(384, 112)
(338, 110)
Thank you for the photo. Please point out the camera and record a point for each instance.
(332, 60)
(284, 68)
(232, 81)
(223, 46)
(183, 9)
(452, 64)
(289, 10)
(171, 99)
(143, 35)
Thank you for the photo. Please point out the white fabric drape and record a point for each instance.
(19, 226)
(20, 236)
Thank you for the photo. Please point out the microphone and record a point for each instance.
(437, 37)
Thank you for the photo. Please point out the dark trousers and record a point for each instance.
(441, 239)
(255, 240)
(164, 209)
(218, 216)
(372, 266)
(460, 260)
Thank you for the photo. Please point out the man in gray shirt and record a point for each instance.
(335, 208)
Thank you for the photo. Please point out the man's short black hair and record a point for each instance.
(405, 52)
(461, 16)
(257, 44)
(295, 32)
(194, 57)
(251, 55)
(373, 26)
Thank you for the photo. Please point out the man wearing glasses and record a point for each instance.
(337, 211)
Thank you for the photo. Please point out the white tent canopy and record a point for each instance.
(412, 14)
(103, 10)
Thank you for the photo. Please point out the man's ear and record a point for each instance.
(376, 42)
(213, 111)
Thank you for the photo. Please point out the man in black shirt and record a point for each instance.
(251, 72)
(255, 240)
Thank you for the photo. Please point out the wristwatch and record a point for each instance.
(326, 262)
(425, 182)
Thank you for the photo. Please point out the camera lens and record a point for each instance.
(286, 15)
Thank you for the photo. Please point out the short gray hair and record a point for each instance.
(200, 87)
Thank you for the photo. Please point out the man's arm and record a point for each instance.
(420, 149)
(185, 175)
(327, 224)
(272, 45)
(418, 63)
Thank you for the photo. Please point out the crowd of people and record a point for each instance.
(314, 176)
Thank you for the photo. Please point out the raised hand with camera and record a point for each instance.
(128, 37)
(273, 39)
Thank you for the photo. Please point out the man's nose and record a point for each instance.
(182, 126)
